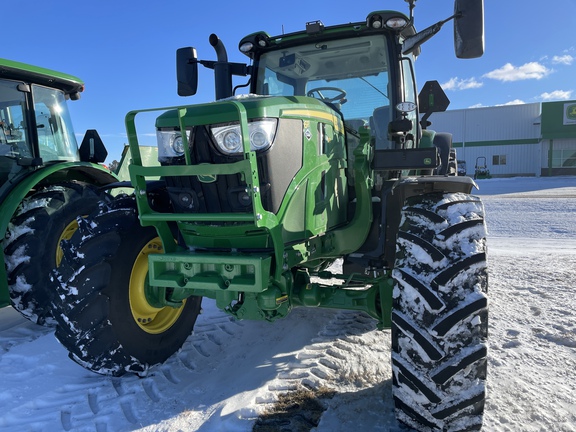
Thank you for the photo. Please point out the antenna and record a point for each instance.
(412, 4)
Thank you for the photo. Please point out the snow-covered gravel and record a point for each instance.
(228, 372)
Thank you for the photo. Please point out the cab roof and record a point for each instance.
(262, 41)
(10, 69)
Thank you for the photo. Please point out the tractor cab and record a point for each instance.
(35, 124)
(363, 71)
(351, 75)
(45, 134)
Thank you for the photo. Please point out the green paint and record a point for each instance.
(29, 73)
(554, 117)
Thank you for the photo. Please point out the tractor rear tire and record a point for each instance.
(440, 313)
(32, 244)
(104, 318)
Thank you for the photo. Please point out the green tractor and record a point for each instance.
(324, 161)
(45, 181)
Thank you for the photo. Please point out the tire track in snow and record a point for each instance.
(216, 355)
(335, 358)
(94, 402)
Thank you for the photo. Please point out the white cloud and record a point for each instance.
(513, 102)
(461, 84)
(557, 95)
(565, 59)
(478, 105)
(509, 72)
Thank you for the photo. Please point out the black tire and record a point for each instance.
(99, 291)
(32, 244)
(440, 313)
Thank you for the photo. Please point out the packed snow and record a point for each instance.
(230, 374)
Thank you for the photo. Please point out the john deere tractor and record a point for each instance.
(324, 159)
(45, 181)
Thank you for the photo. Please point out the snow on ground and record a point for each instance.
(229, 372)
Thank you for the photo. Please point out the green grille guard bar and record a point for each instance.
(331, 245)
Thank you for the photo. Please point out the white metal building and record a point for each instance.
(536, 139)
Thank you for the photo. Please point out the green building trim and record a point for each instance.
(559, 120)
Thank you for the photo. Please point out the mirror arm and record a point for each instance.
(412, 43)
(238, 69)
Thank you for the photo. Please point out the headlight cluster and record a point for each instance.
(229, 138)
(170, 144)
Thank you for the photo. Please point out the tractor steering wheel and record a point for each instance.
(339, 98)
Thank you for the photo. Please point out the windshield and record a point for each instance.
(56, 139)
(350, 74)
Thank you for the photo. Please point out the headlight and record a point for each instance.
(170, 144)
(229, 138)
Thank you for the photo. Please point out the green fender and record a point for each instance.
(83, 171)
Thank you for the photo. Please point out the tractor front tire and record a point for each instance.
(440, 313)
(32, 244)
(104, 318)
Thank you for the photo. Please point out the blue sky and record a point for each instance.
(124, 50)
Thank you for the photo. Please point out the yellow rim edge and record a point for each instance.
(151, 319)
(67, 234)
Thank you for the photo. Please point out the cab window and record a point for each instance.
(56, 139)
(350, 75)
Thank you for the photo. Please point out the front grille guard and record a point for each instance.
(335, 243)
(248, 168)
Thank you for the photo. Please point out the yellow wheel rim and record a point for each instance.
(151, 319)
(67, 234)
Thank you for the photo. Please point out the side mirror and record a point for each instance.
(92, 148)
(187, 71)
(469, 28)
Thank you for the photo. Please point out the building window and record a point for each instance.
(499, 160)
(565, 158)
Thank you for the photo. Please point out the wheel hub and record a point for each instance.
(151, 319)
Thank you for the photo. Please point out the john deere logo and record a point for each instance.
(207, 178)
(571, 112)
(427, 161)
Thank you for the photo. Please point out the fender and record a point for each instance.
(412, 186)
(82, 171)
